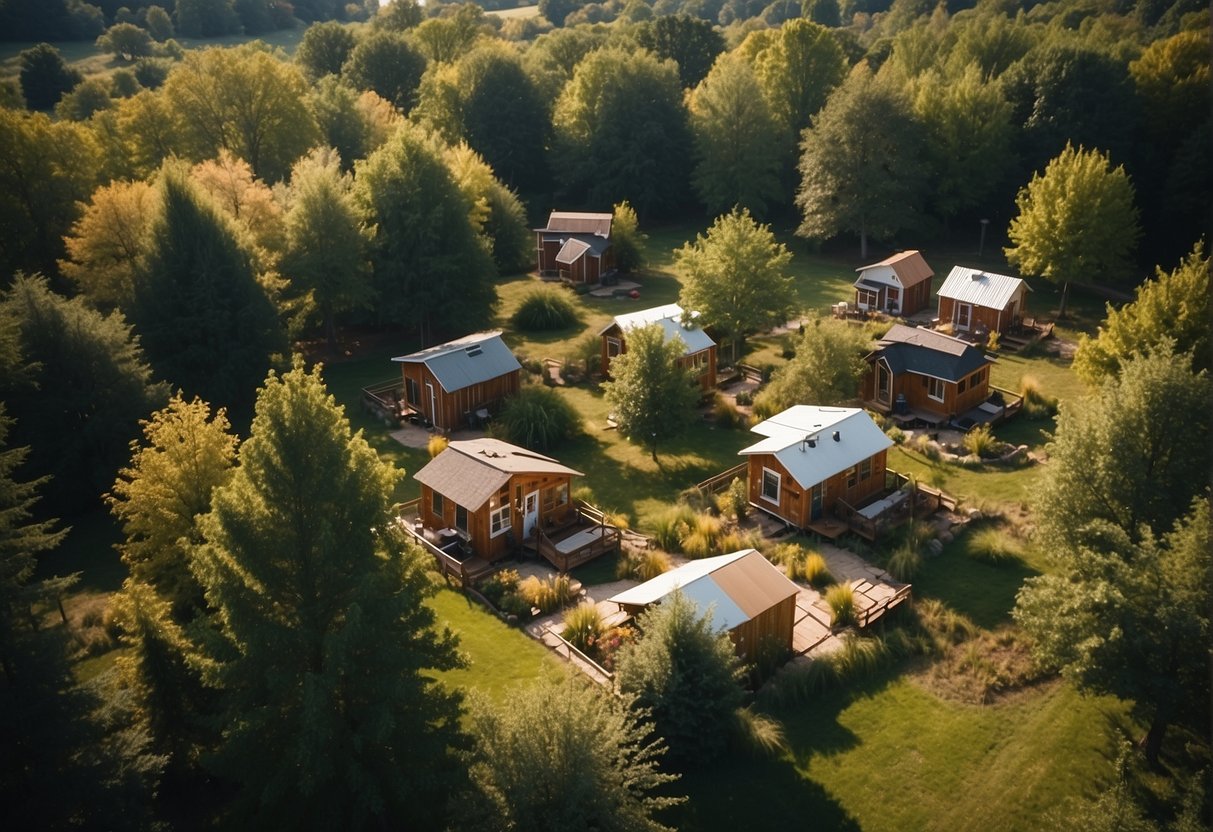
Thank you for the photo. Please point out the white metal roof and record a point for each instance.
(466, 361)
(802, 438)
(980, 288)
(669, 318)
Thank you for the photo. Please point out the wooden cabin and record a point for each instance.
(897, 285)
(978, 302)
(917, 373)
(490, 496)
(699, 350)
(811, 458)
(575, 247)
(746, 596)
(461, 383)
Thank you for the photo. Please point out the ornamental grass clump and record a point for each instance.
(436, 445)
(704, 537)
(583, 627)
(981, 442)
(993, 544)
(905, 562)
(537, 418)
(841, 600)
(643, 565)
(544, 309)
(672, 525)
(548, 595)
(1036, 404)
(815, 571)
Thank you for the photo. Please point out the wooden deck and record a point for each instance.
(468, 569)
(589, 537)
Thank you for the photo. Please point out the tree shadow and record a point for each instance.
(985, 592)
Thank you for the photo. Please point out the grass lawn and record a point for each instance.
(889, 754)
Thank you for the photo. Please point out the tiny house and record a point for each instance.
(575, 247)
(699, 350)
(460, 383)
(978, 302)
(898, 285)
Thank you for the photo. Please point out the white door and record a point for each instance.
(964, 312)
(530, 513)
(429, 388)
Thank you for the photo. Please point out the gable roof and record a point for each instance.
(669, 318)
(735, 587)
(577, 222)
(979, 288)
(909, 266)
(469, 472)
(572, 250)
(466, 361)
(909, 349)
(788, 434)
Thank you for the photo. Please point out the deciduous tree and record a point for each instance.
(861, 163)
(627, 239)
(1172, 308)
(324, 48)
(386, 63)
(689, 41)
(105, 245)
(46, 77)
(687, 675)
(321, 603)
(825, 371)
(496, 213)
(798, 71)
(206, 18)
(650, 395)
(1076, 222)
(126, 41)
(736, 278)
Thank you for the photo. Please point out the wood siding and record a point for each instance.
(795, 503)
(479, 531)
(704, 375)
(776, 624)
(913, 299)
(449, 411)
(915, 388)
(994, 320)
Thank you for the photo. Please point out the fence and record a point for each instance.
(574, 656)
(720, 482)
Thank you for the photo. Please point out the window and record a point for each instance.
(461, 519)
(555, 497)
(412, 393)
(770, 485)
(436, 503)
(613, 347)
(852, 476)
(499, 520)
(865, 469)
(866, 299)
(975, 379)
(960, 388)
(935, 389)
(699, 362)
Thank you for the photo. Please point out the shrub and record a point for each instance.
(993, 545)
(584, 494)
(816, 572)
(512, 603)
(745, 398)
(738, 499)
(980, 441)
(538, 418)
(617, 519)
(1036, 405)
(841, 600)
(588, 351)
(704, 537)
(672, 525)
(698, 500)
(905, 562)
(544, 309)
(896, 434)
(736, 541)
(725, 413)
(548, 595)
(436, 445)
(497, 585)
(994, 340)
(643, 564)
(583, 627)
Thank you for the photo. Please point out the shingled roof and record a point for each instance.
(471, 471)
(928, 353)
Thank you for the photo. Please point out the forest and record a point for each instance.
(209, 207)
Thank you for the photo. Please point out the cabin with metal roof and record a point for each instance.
(897, 285)
(485, 498)
(575, 247)
(745, 595)
(978, 302)
(699, 350)
(817, 466)
(461, 383)
(917, 373)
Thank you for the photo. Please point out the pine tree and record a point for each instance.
(333, 718)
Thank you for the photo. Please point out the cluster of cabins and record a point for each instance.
(819, 468)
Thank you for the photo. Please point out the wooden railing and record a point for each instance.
(467, 572)
(608, 540)
(1012, 402)
(750, 373)
(718, 483)
(558, 643)
(877, 610)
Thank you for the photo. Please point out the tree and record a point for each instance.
(496, 212)
(825, 371)
(46, 170)
(539, 419)
(687, 675)
(324, 49)
(85, 101)
(446, 39)
(326, 243)
(92, 385)
(204, 320)
(243, 100)
(621, 132)
(560, 755)
(206, 18)
(430, 266)
(650, 395)
(45, 77)
(627, 239)
(861, 163)
(1127, 455)
(126, 41)
(823, 12)
(354, 124)
(736, 279)
(397, 16)
(689, 41)
(105, 245)
(1076, 221)
(1131, 618)
(1171, 309)
(557, 10)
(333, 717)
(798, 71)
(737, 149)
(248, 202)
(386, 63)
(148, 134)
(159, 24)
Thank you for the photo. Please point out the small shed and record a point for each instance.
(461, 382)
(575, 246)
(916, 372)
(972, 300)
(898, 285)
(699, 350)
(746, 596)
(811, 459)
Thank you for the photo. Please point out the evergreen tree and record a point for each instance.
(46, 77)
(333, 717)
(205, 322)
(650, 394)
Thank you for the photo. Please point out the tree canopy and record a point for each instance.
(650, 395)
(825, 371)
